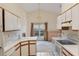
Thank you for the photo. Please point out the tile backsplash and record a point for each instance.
(10, 36)
(74, 35)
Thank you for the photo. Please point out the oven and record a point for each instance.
(58, 49)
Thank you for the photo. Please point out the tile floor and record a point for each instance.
(45, 48)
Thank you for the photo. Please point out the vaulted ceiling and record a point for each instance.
(49, 7)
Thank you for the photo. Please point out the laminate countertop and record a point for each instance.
(73, 49)
(11, 44)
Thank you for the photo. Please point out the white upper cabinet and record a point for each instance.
(63, 17)
(68, 15)
(19, 23)
(66, 6)
(10, 21)
(75, 18)
(59, 22)
(60, 19)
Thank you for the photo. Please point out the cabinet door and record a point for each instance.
(32, 48)
(11, 21)
(59, 22)
(69, 15)
(63, 18)
(75, 18)
(9, 52)
(20, 23)
(0, 19)
(24, 49)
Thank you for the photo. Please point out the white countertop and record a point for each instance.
(73, 49)
(12, 44)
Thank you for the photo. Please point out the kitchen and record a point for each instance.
(31, 29)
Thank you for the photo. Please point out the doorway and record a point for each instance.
(39, 30)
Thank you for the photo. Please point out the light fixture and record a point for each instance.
(39, 16)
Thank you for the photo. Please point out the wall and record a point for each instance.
(44, 17)
(9, 36)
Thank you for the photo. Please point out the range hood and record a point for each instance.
(66, 25)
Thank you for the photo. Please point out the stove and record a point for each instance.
(66, 42)
(60, 43)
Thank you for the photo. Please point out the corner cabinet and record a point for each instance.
(11, 21)
(8, 21)
(75, 17)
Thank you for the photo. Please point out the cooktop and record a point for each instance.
(66, 42)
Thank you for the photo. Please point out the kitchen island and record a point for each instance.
(22, 47)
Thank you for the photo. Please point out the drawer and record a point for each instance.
(32, 41)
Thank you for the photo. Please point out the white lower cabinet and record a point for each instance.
(24, 49)
(75, 18)
(9, 52)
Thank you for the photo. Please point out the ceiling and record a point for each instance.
(49, 7)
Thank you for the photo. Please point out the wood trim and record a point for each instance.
(24, 44)
(28, 48)
(17, 48)
(23, 41)
(68, 52)
(64, 54)
(20, 50)
(3, 19)
(31, 33)
(46, 31)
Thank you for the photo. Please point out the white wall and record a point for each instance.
(44, 17)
